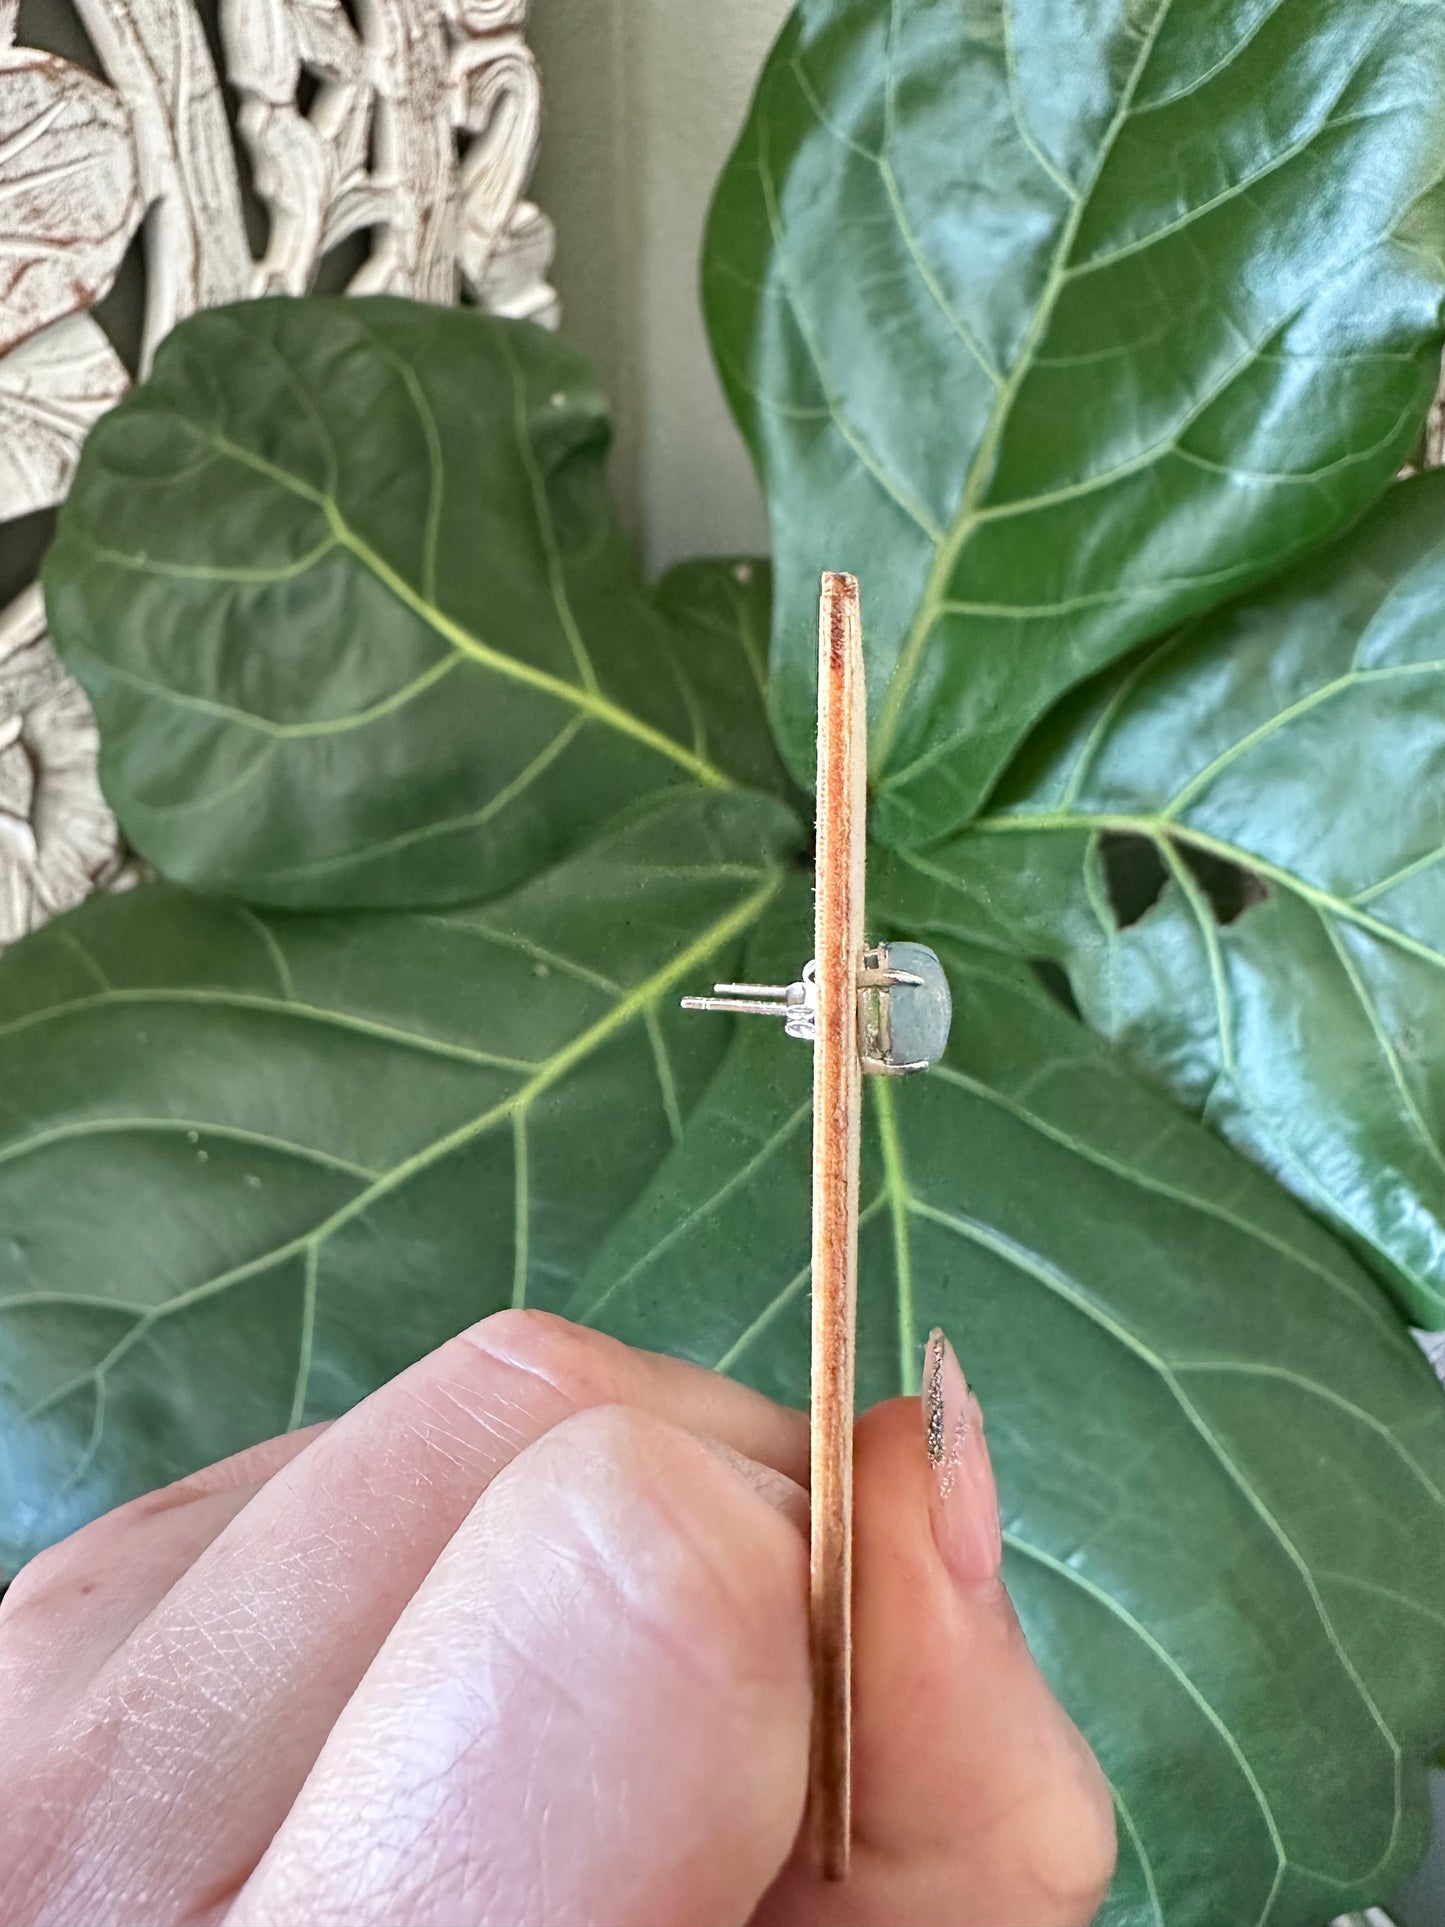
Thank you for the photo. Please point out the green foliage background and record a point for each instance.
(1090, 334)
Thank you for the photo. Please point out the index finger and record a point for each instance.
(245, 1664)
(595, 1709)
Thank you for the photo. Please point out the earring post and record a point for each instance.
(739, 1006)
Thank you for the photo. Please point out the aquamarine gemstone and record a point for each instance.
(919, 1015)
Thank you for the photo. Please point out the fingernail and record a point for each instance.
(776, 1487)
(962, 1498)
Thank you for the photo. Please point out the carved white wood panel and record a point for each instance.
(413, 122)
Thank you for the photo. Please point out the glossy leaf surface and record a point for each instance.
(1055, 323)
(1275, 774)
(1221, 1460)
(717, 611)
(252, 1163)
(345, 586)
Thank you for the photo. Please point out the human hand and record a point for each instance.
(521, 1640)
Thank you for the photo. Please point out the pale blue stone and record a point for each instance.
(919, 1015)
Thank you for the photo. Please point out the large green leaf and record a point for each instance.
(345, 587)
(1221, 1460)
(251, 1164)
(1280, 959)
(1056, 320)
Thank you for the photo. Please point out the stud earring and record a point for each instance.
(904, 1007)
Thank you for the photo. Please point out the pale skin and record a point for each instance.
(522, 1641)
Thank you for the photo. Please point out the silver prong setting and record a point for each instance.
(900, 1034)
(887, 979)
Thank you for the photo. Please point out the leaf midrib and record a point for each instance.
(588, 700)
(899, 1201)
(182, 995)
(939, 576)
(898, 1198)
(632, 1005)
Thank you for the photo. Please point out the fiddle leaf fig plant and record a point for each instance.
(1279, 767)
(465, 673)
(1091, 340)
(1063, 323)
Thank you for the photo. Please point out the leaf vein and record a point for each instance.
(1156, 1647)
(279, 1006)
(981, 467)
(627, 1007)
(1046, 1274)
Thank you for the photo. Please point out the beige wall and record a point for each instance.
(643, 100)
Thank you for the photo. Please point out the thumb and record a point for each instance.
(594, 1709)
(976, 1801)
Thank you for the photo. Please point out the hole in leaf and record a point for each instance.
(1229, 887)
(308, 86)
(1134, 875)
(1055, 981)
